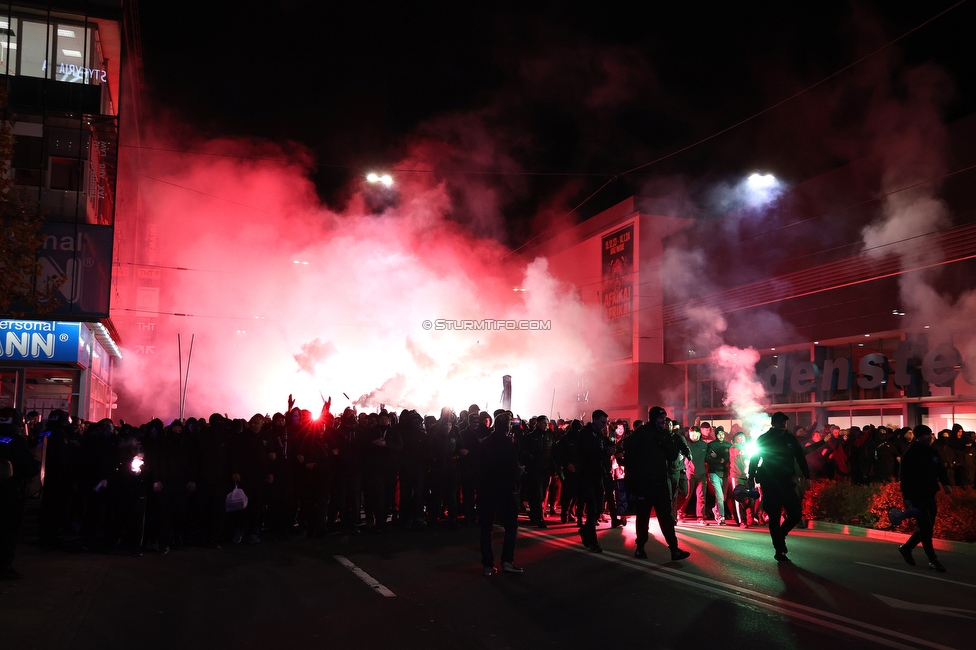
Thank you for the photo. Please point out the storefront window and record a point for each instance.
(8, 388)
(49, 389)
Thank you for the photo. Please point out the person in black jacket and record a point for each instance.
(212, 446)
(382, 445)
(60, 468)
(717, 463)
(567, 454)
(498, 494)
(17, 468)
(172, 482)
(536, 450)
(348, 457)
(921, 472)
(591, 464)
(471, 437)
(414, 464)
(772, 466)
(648, 454)
(679, 472)
(445, 445)
(697, 473)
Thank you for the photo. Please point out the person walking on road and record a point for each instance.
(773, 468)
(498, 494)
(648, 454)
(921, 472)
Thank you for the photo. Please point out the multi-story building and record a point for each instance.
(61, 64)
(852, 292)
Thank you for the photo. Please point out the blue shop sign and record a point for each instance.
(35, 340)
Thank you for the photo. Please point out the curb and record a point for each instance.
(964, 548)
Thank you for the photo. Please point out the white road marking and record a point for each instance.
(917, 574)
(931, 609)
(365, 577)
(813, 615)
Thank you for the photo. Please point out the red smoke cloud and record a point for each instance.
(286, 295)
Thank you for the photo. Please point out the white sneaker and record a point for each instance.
(508, 567)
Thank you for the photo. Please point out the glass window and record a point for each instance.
(36, 42)
(8, 46)
(8, 388)
(73, 58)
(49, 389)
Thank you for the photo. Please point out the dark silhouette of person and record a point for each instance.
(921, 472)
(498, 494)
(648, 454)
(772, 467)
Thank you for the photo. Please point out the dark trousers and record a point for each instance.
(444, 492)
(172, 522)
(316, 501)
(925, 511)
(610, 498)
(775, 500)
(11, 515)
(590, 501)
(54, 518)
(569, 495)
(413, 484)
(128, 514)
(696, 486)
(352, 499)
(554, 484)
(281, 504)
(504, 506)
(660, 501)
(678, 487)
(380, 494)
(468, 508)
(535, 482)
(209, 516)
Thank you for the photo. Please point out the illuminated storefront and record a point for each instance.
(47, 365)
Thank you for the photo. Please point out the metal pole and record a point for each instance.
(552, 403)
(187, 379)
(179, 351)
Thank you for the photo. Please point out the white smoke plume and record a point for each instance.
(735, 369)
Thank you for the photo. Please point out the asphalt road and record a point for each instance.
(424, 589)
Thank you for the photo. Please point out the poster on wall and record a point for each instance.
(618, 289)
(79, 256)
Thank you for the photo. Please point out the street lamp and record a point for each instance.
(761, 181)
(761, 189)
(385, 179)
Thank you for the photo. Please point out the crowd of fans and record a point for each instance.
(125, 488)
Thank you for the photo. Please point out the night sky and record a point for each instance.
(554, 100)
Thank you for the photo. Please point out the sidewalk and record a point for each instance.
(964, 548)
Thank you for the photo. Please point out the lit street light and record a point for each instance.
(761, 189)
(385, 179)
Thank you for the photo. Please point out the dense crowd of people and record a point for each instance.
(220, 480)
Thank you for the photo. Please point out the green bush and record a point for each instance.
(867, 505)
(840, 502)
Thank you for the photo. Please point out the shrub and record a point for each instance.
(867, 505)
(840, 502)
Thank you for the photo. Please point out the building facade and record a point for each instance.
(848, 329)
(61, 66)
